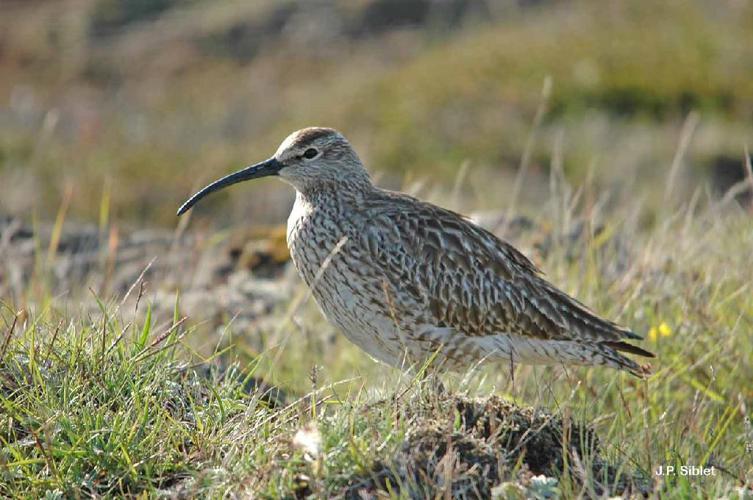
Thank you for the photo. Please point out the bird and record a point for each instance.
(409, 282)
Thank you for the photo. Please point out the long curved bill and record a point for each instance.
(263, 169)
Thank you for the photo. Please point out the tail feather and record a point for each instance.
(517, 349)
(584, 322)
(632, 335)
(632, 349)
(611, 352)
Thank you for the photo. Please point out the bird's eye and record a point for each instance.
(310, 153)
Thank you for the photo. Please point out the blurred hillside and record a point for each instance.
(123, 107)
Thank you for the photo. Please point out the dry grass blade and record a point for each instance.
(686, 135)
(525, 159)
(9, 335)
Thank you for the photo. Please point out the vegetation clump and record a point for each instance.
(467, 447)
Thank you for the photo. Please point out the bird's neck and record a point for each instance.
(333, 193)
(312, 205)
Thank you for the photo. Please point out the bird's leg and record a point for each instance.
(512, 375)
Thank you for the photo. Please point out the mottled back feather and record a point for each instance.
(475, 282)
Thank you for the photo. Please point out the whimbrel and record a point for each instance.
(406, 280)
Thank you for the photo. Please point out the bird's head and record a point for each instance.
(308, 159)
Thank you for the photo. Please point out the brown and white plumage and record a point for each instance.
(406, 280)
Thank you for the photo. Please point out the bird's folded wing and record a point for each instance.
(471, 280)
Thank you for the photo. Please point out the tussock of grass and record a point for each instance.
(467, 447)
(99, 408)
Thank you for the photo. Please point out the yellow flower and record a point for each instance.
(665, 330)
(653, 334)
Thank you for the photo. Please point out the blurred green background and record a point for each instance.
(126, 106)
